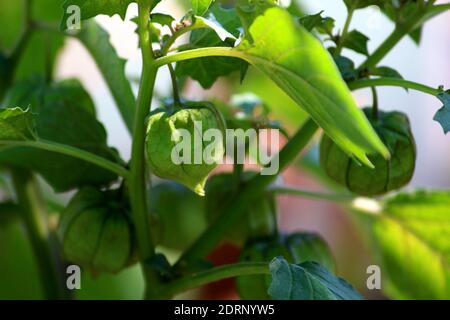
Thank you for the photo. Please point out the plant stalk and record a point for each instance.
(34, 212)
(393, 82)
(137, 181)
(223, 272)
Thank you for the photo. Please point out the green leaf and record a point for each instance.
(16, 124)
(443, 114)
(307, 281)
(201, 6)
(347, 68)
(92, 8)
(412, 237)
(386, 72)
(298, 63)
(356, 41)
(207, 70)
(162, 19)
(64, 113)
(96, 41)
(323, 25)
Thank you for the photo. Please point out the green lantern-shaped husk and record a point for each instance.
(180, 145)
(391, 174)
(295, 248)
(96, 232)
(260, 217)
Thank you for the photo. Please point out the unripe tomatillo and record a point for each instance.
(96, 232)
(181, 147)
(389, 174)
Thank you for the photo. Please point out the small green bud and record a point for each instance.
(187, 159)
(96, 232)
(259, 219)
(295, 248)
(389, 174)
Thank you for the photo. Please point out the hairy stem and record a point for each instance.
(223, 272)
(34, 213)
(137, 181)
(254, 188)
(393, 82)
(69, 151)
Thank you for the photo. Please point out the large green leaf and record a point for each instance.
(299, 64)
(96, 41)
(92, 8)
(307, 281)
(207, 70)
(64, 113)
(411, 235)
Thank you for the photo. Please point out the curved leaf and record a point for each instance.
(299, 64)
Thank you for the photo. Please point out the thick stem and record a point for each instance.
(137, 181)
(216, 274)
(254, 188)
(34, 214)
(393, 82)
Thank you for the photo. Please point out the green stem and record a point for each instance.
(69, 151)
(312, 195)
(393, 82)
(34, 210)
(198, 53)
(168, 44)
(223, 272)
(254, 188)
(176, 90)
(375, 103)
(399, 32)
(137, 181)
(344, 31)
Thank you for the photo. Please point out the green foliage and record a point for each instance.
(16, 124)
(394, 130)
(307, 281)
(443, 114)
(92, 8)
(296, 248)
(207, 70)
(411, 236)
(164, 140)
(63, 113)
(300, 65)
(201, 6)
(96, 41)
(95, 231)
(356, 41)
